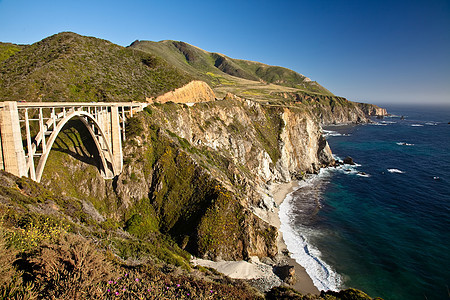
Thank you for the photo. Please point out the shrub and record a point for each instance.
(71, 268)
(36, 231)
(11, 284)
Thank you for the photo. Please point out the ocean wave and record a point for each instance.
(404, 144)
(322, 275)
(416, 125)
(378, 124)
(431, 123)
(395, 171)
(327, 133)
(362, 174)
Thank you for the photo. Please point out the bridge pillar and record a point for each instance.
(104, 119)
(116, 139)
(13, 155)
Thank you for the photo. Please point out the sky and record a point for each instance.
(375, 51)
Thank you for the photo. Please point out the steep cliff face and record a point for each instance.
(197, 173)
(270, 143)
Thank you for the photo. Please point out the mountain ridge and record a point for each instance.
(202, 62)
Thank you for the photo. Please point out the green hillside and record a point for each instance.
(7, 50)
(219, 70)
(70, 67)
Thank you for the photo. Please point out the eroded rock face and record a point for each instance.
(273, 143)
(194, 91)
(372, 110)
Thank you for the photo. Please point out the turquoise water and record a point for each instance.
(382, 226)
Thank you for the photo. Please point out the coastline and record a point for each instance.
(303, 282)
(261, 273)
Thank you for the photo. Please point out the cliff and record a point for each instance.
(196, 173)
(332, 109)
(372, 110)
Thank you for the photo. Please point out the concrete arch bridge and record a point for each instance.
(25, 154)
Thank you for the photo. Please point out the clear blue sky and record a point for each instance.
(372, 51)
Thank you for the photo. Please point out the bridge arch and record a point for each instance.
(20, 150)
(97, 134)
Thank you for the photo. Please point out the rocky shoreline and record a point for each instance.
(267, 273)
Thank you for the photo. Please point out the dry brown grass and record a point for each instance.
(70, 268)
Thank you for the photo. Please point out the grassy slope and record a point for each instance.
(7, 50)
(70, 67)
(233, 74)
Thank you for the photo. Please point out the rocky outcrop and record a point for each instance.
(372, 110)
(330, 110)
(194, 91)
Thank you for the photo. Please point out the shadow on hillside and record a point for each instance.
(75, 140)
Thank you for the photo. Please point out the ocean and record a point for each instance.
(382, 225)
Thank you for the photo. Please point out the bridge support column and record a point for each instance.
(11, 140)
(116, 139)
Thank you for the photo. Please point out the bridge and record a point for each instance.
(28, 131)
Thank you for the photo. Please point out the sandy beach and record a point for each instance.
(303, 283)
(256, 270)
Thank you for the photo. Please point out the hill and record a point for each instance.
(226, 74)
(70, 67)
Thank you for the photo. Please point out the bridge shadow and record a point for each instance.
(76, 141)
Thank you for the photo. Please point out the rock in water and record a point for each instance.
(349, 161)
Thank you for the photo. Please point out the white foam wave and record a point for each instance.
(395, 171)
(379, 124)
(404, 144)
(363, 174)
(388, 122)
(327, 133)
(431, 123)
(322, 275)
(345, 168)
(416, 125)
